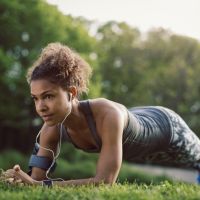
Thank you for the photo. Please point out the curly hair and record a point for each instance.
(62, 66)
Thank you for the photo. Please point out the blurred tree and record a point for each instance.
(26, 27)
(159, 69)
(121, 65)
(171, 75)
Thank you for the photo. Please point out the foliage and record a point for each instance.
(10, 157)
(160, 69)
(171, 75)
(20, 43)
(119, 56)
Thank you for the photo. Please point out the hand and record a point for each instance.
(17, 175)
(9, 178)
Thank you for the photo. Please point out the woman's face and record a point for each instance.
(51, 101)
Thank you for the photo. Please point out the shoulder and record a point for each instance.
(108, 113)
(103, 106)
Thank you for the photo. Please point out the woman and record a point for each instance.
(141, 134)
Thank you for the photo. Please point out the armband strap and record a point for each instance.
(36, 148)
(40, 161)
(48, 183)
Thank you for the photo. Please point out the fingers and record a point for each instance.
(9, 177)
(10, 180)
(20, 174)
(16, 175)
(10, 173)
(16, 168)
(14, 181)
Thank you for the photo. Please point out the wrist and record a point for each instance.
(37, 182)
(47, 183)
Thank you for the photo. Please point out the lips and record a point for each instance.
(47, 117)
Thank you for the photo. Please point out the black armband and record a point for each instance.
(42, 162)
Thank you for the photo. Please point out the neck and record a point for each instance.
(76, 119)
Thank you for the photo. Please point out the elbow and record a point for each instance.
(105, 180)
(109, 182)
(38, 174)
(38, 178)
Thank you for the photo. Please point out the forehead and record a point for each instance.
(38, 87)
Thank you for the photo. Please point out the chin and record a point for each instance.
(50, 123)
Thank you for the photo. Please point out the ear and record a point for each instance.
(73, 91)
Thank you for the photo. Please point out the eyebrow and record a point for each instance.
(43, 93)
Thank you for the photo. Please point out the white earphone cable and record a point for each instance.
(58, 148)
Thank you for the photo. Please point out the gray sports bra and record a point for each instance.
(148, 130)
(85, 108)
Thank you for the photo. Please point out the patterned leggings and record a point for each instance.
(184, 149)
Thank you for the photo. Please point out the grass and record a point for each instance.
(132, 184)
(163, 191)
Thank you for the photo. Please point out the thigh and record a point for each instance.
(185, 144)
(184, 147)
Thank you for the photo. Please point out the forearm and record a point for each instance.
(77, 182)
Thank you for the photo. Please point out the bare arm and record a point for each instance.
(110, 158)
(49, 138)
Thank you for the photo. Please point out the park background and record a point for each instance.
(158, 67)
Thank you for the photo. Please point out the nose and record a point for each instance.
(41, 106)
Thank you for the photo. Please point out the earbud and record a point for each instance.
(70, 96)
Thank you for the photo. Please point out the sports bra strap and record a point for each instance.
(85, 107)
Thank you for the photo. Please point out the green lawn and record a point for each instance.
(165, 190)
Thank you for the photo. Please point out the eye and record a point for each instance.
(34, 98)
(48, 96)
